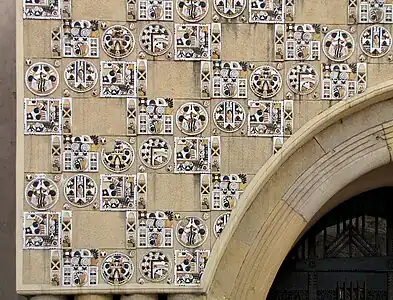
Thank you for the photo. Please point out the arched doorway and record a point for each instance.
(346, 255)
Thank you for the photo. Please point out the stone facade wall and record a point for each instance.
(145, 121)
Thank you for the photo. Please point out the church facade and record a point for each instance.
(204, 149)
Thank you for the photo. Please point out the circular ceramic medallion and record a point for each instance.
(191, 232)
(265, 81)
(118, 41)
(155, 152)
(192, 10)
(302, 79)
(230, 9)
(155, 266)
(41, 193)
(338, 45)
(229, 116)
(120, 159)
(191, 118)
(220, 223)
(375, 41)
(81, 76)
(117, 269)
(80, 190)
(155, 39)
(42, 79)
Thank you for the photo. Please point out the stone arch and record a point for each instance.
(348, 140)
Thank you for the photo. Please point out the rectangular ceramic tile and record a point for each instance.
(192, 41)
(155, 229)
(221, 192)
(340, 81)
(41, 230)
(186, 273)
(155, 10)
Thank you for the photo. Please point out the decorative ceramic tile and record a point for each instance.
(155, 39)
(66, 108)
(131, 10)
(221, 192)
(265, 11)
(66, 8)
(155, 266)
(119, 158)
(302, 41)
(155, 116)
(141, 78)
(66, 229)
(220, 223)
(80, 268)
(155, 229)
(302, 78)
(118, 41)
(193, 42)
(288, 117)
(229, 79)
(56, 42)
(206, 88)
(118, 79)
(42, 116)
(352, 12)
(192, 118)
(80, 190)
(375, 41)
(131, 117)
(42, 79)
(278, 142)
(130, 230)
(80, 39)
(215, 154)
(265, 118)
(229, 116)
(41, 230)
(230, 9)
(190, 265)
(42, 9)
(152, 10)
(369, 11)
(56, 153)
(141, 189)
(342, 81)
(289, 10)
(117, 269)
(81, 76)
(279, 42)
(155, 152)
(265, 82)
(41, 193)
(191, 232)
(118, 192)
(192, 10)
(216, 41)
(80, 154)
(192, 155)
(55, 267)
(338, 45)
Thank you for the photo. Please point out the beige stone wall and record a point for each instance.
(239, 152)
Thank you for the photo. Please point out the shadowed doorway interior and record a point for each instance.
(346, 255)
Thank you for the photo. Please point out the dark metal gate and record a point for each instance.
(346, 255)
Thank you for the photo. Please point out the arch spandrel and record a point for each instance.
(332, 150)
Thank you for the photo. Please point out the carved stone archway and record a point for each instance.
(341, 144)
